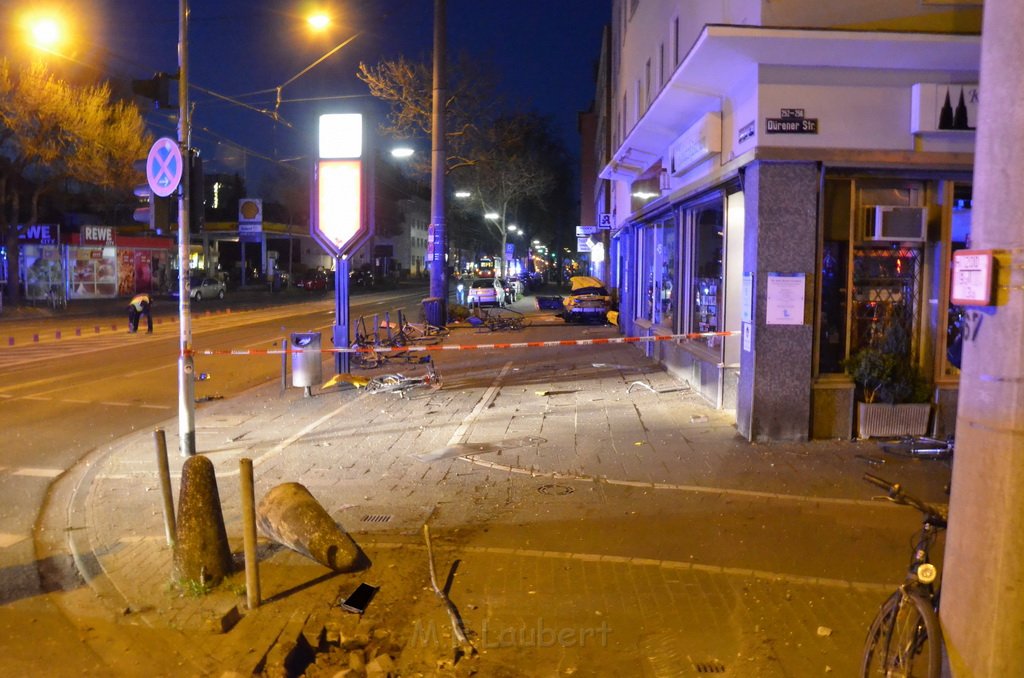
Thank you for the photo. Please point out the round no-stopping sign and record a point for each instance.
(164, 167)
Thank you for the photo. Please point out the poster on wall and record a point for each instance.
(785, 300)
(93, 272)
(125, 274)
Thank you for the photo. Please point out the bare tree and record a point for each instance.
(54, 135)
(407, 86)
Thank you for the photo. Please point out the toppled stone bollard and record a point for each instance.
(201, 553)
(291, 516)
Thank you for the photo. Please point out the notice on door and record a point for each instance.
(785, 301)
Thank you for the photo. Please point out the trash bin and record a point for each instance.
(432, 309)
(307, 369)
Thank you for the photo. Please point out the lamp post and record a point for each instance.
(437, 314)
(186, 365)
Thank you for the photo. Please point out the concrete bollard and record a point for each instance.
(291, 516)
(202, 553)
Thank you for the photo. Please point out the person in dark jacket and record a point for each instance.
(140, 305)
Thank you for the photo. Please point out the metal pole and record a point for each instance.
(164, 471)
(186, 366)
(341, 313)
(284, 365)
(252, 565)
(439, 236)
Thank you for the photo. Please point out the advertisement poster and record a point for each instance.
(93, 272)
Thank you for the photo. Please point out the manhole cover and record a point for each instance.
(555, 490)
(712, 666)
(379, 518)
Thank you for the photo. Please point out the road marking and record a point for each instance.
(38, 472)
(114, 404)
(7, 539)
(731, 572)
(155, 407)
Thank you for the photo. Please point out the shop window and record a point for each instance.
(657, 273)
(706, 291)
(886, 290)
(834, 268)
(960, 238)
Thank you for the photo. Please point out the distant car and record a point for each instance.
(312, 281)
(486, 292)
(205, 288)
(588, 300)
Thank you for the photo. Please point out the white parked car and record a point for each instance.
(486, 292)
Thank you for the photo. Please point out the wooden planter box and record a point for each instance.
(891, 421)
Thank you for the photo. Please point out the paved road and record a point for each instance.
(74, 383)
(632, 519)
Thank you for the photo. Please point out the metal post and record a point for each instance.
(341, 333)
(439, 236)
(284, 365)
(186, 366)
(252, 566)
(164, 471)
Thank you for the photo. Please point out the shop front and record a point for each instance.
(801, 216)
(103, 264)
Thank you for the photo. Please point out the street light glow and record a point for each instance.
(402, 152)
(462, 194)
(45, 32)
(318, 21)
(492, 216)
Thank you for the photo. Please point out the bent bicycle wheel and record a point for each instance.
(904, 639)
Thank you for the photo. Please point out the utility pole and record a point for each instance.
(438, 233)
(186, 365)
(982, 596)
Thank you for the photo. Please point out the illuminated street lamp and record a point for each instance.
(462, 195)
(493, 216)
(402, 152)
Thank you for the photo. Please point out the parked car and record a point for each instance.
(588, 300)
(486, 292)
(205, 288)
(312, 281)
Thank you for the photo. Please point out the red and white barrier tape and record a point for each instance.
(475, 347)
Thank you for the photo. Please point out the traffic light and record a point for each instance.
(153, 210)
(157, 88)
(196, 192)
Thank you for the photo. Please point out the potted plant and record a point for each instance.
(895, 394)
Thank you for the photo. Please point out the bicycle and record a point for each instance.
(56, 298)
(497, 321)
(919, 447)
(401, 384)
(905, 638)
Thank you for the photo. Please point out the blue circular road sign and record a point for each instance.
(164, 167)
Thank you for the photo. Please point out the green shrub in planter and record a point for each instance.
(885, 372)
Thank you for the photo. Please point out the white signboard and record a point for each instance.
(604, 221)
(582, 244)
(250, 215)
(785, 302)
(972, 278)
(747, 311)
(582, 231)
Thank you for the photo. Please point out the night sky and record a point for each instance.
(545, 52)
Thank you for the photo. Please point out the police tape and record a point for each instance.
(472, 347)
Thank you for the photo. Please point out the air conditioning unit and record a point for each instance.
(896, 224)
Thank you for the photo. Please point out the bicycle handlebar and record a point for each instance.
(894, 492)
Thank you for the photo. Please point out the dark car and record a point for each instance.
(313, 281)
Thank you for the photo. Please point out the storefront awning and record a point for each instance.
(725, 57)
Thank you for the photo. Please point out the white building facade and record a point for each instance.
(793, 175)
